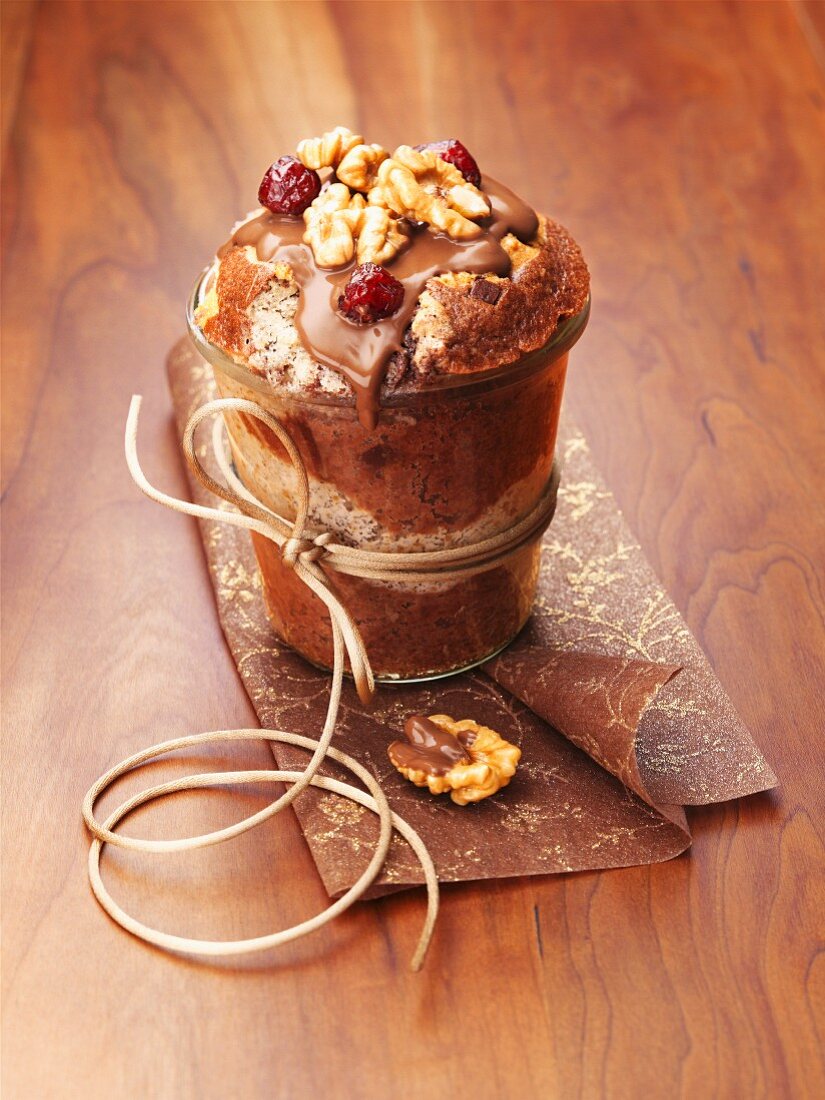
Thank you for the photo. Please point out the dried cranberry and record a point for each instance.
(288, 187)
(370, 295)
(454, 153)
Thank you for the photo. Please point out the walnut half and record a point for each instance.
(332, 222)
(359, 168)
(328, 150)
(470, 761)
(380, 236)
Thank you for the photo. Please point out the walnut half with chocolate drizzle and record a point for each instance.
(468, 760)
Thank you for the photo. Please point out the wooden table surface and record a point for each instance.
(684, 146)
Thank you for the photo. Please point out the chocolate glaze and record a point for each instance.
(429, 748)
(362, 352)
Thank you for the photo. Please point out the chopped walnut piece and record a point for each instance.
(332, 222)
(328, 150)
(424, 188)
(470, 761)
(359, 168)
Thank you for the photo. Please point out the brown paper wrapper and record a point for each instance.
(599, 662)
(599, 597)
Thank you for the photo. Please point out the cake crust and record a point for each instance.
(458, 327)
(549, 283)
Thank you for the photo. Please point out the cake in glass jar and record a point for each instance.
(409, 324)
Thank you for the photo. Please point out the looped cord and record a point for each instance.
(310, 554)
(375, 801)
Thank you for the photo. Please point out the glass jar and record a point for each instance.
(456, 462)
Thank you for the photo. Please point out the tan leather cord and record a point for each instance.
(310, 554)
(375, 801)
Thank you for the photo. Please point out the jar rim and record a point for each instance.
(561, 341)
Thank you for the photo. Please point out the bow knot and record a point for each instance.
(306, 549)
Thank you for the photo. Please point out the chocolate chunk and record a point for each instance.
(486, 291)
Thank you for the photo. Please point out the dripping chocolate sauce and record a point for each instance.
(362, 352)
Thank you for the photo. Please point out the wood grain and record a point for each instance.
(683, 145)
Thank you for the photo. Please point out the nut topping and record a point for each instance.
(328, 150)
(338, 218)
(424, 188)
(380, 236)
(332, 224)
(359, 168)
(470, 761)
